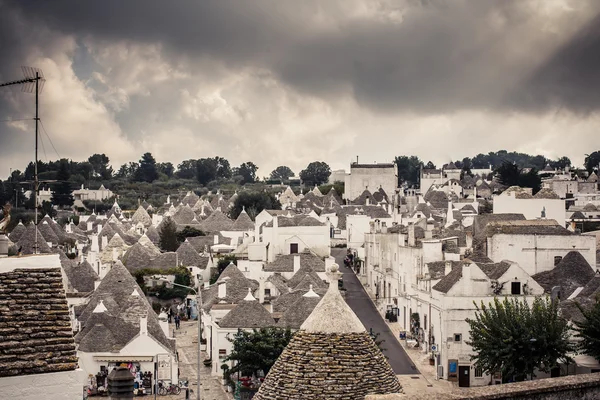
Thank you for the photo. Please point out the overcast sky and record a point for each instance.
(290, 82)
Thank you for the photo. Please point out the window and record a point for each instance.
(425, 321)
(515, 288)
(478, 372)
(222, 353)
(293, 248)
(267, 292)
(458, 337)
(557, 259)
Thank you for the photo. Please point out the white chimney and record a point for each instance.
(68, 227)
(411, 235)
(368, 201)
(115, 255)
(448, 267)
(222, 290)
(296, 262)
(144, 325)
(90, 226)
(428, 235)
(216, 239)
(261, 290)
(96, 284)
(99, 228)
(104, 241)
(466, 277)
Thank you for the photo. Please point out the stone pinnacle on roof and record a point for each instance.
(249, 296)
(310, 292)
(100, 307)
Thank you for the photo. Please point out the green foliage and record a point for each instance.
(166, 168)
(100, 167)
(510, 174)
(316, 173)
(337, 186)
(254, 203)
(514, 338)
(147, 171)
(592, 161)
(47, 209)
(588, 330)
(408, 170)
(257, 350)
(247, 171)
(281, 173)
(486, 207)
(221, 265)
(182, 276)
(99, 206)
(187, 232)
(211, 169)
(168, 236)
(62, 193)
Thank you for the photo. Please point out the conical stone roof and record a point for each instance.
(27, 241)
(17, 232)
(141, 215)
(153, 235)
(243, 222)
(331, 357)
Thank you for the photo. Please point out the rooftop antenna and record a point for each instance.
(33, 80)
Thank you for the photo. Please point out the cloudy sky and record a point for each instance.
(290, 82)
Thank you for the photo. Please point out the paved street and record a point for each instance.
(361, 304)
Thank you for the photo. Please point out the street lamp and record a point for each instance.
(199, 308)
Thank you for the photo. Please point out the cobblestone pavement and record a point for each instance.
(187, 346)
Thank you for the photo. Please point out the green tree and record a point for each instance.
(281, 173)
(187, 232)
(257, 350)
(588, 330)
(592, 161)
(561, 163)
(206, 170)
(168, 235)
(187, 169)
(248, 171)
(223, 169)
(408, 169)
(62, 193)
(316, 173)
(531, 179)
(100, 167)
(254, 203)
(515, 338)
(509, 174)
(147, 171)
(127, 170)
(166, 168)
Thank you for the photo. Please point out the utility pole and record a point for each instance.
(33, 79)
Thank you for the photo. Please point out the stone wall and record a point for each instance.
(66, 385)
(580, 387)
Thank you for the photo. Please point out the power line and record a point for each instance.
(48, 136)
(43, 148)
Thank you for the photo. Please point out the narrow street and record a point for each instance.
(210, 387)
(361, 304)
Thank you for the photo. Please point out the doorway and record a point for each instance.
(464, 375)
(293, 248)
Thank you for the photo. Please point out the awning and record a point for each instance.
(124, 358)
(586, 361)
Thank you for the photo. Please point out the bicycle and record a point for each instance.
(168, 389)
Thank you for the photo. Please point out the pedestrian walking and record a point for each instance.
(177, 321)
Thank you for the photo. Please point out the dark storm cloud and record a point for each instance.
(438, 57)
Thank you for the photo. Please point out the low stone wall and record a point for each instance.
(580, 387)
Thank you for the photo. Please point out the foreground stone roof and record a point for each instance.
(35, 327)
(331, 357)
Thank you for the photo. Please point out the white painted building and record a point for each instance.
(511, 202)
(370, 177)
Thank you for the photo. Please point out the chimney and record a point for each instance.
(90, 226)
(144, 325)
(466, 276)
(99, 227)
(222, 290)
(296, 262)
(104, 241)
(428, 235)
(69, 227)
(216, 239)
(261, 290)
(411, 235)
(275, 222)
(448, 267)
(368, 201)
(163, 321)
(3, 245)
(96, 284)
(115, 255)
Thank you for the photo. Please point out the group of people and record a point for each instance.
(174, 317)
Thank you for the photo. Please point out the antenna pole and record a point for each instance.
(36, 183)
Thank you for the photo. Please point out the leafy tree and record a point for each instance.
(147, 171)
(257, 350)
(127, 170)
(408, 169)
(316, 173)
(206, 170)
(166, 168)
(561, 163)
(515, 338)
(187, 169)
(187, 232)
(100, 167)
(221, 265)
(168, 236)
(337, 186)
(182, 277)
(248, 171)
(254, 203)
(531, 179)
(510, 174)
(281, 173)
(592, 161)
(588, 330)
(62, 193)
(223, 169)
